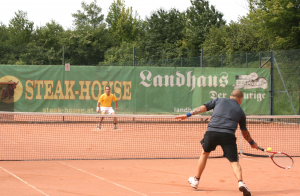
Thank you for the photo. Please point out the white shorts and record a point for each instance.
(108, 110)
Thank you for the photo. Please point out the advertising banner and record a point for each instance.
(139, 90)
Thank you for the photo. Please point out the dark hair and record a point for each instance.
(108, 87)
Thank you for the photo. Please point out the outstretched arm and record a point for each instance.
(247, 137)
(198, 110)
(98, 105)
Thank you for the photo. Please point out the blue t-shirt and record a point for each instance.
(226, 116)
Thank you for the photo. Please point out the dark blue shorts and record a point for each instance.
(226, 140)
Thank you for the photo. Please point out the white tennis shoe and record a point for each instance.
(99, 126)
(116, 128)
(194, 182)
(243, 188)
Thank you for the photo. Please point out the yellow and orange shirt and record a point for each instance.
(107, 100)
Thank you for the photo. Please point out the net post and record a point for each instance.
(272, 84)
(241, 144)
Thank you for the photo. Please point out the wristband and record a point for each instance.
(97, 108)
(251, 143)
(188, 114)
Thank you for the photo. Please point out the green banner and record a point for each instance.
(139, 90)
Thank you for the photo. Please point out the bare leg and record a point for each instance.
(99, 125)
(194, 181)
(202, 163)
(237, 170)
(115, 122)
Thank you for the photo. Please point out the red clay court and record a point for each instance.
(67, 155)
(144, 177)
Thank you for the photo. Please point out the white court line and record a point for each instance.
(102, 178)
(257, 160)
(24, 181)
(166, 192)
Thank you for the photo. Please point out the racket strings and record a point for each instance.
(282, 160)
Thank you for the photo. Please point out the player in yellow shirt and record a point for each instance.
(105, 100)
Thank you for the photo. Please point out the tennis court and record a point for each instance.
(144, 177)
(64, 154)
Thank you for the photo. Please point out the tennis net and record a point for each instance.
(49, 136)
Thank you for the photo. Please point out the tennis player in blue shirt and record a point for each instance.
(227, 114)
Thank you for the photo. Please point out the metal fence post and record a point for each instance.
(181, 61)
(259, 59)
(246, 60)
(221, 60)
(201, 58)
(272, 84)
(133, 56)
(63, 55)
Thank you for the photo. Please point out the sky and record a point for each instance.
(43, 11)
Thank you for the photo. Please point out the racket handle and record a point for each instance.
(260, 148)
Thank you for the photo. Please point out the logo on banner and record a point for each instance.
(250, 81)
(10, 93)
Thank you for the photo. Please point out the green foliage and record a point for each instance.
(123, 24)
(121, 54)
(164, 36)
(49, 36)
(86, 47)
(90, 17)
(4, 34)
(200, 17)
(278, 21)
(236, 37)
(20, 29)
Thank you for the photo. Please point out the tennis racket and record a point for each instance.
(280, 159)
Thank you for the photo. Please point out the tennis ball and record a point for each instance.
(261, 123)
(269, 149)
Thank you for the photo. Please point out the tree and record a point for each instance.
(91, 16)
(164, 33)
(86, 47)
(4, 34)
(123, 23)
(50, 35)
(200, 18)
(234, 38)
(114, 14)
(122, 54)
(20, 29)
(278, 21)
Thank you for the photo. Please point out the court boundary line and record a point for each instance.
(256, 160)
(24, 181)
(102, 178)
